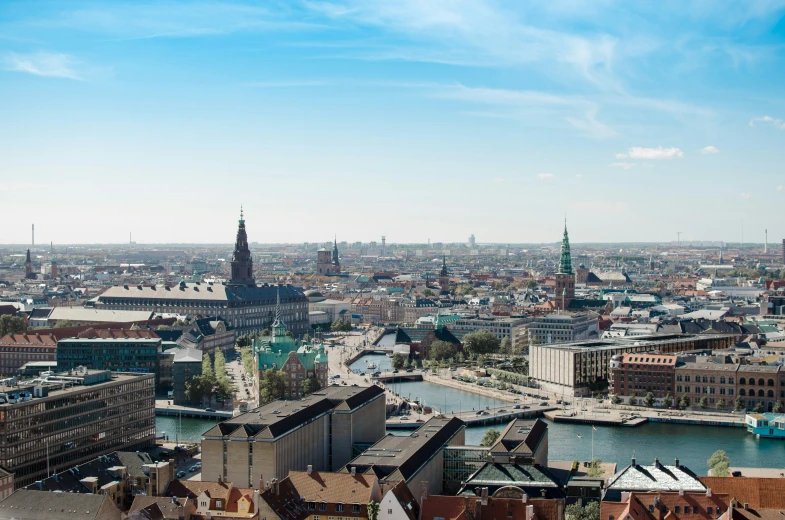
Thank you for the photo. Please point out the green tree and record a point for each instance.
(311, 385)
(272, 386)
(197, 388)
(223, 388)
(63, 324)
(481, 342)
(490, 437)
(758, 407)
(595, 468)
(703, 403)
(616, 399)
(246, 355)
(427, 293)
(11, 324)
(667, 401)
(265, 332)
(441, 350)
(648, 400)
(739, 404)
(219, 364)
(719, 464)
(778, 407)
(505, 347)
(531, 285)
(243, 341)
(373, 510)
(577, 511)
(307, 338)
(289, 333)
(631, 400)
(685, 402)
(721, 404)
(398, 361)
(207, 366)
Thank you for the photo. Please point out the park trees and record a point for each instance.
(481, 342)
(442, 350)
(490, 437)
(719, 464)
(272, 386)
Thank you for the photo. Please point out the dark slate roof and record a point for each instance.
(47, 505)
(581, 303)
(70, 480)
(521, 436)
(39, 313)
(207, 325)
(532, 479)
(169, 335)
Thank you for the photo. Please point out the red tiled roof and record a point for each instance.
(759, 493)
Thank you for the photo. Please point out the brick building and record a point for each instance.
(19, 349)
(641, 373)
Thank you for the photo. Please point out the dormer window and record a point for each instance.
(219, 504)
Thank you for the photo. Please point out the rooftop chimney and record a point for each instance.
(529, 512)
(656, 463)
(746, 506)
(633, 462)
(525, 498)
(484, 496)
(309, 469)
(478, 509)
(677, 463)
(708, 492)
(354, 471)
(543, 491)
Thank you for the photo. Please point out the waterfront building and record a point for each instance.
(327, 263)
(208, 335)
(187, 364)
(519, 507)
(320, 494)
(771, 425)
(298, 361)
(110, 349)
(656, 504)
(52, 505)
(512, 328)
(120, 475)
(417, 459)
(325, 430)
(62, 420)
(573, 367)
(642, 373)
(563, 328)
(240, 302)
(522, 441)
(17, 350)
(639, 478)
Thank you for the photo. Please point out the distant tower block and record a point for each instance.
(766, 244)
(384, 244)
(783, 251)
(472, 241)
(33, 236)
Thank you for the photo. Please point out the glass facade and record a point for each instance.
(460, 462)
(74, 425)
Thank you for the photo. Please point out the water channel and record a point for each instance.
(693, 445)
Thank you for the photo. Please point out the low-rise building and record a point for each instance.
(207, 335)
(522, 441)
(502, 327)
(641, 478)
(654, 505)
(417, 459)
(217, 499)
(324, 430)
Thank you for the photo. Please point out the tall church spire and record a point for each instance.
(242, 262)
(279, 327)
(565, 262)
(336, 262)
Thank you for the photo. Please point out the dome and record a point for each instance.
(314, 296)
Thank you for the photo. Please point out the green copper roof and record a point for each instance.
(565, 263)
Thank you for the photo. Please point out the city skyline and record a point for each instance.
(411, 120)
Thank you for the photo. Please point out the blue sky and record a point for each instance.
(413, 119)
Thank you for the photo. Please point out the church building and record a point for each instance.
(327, 263)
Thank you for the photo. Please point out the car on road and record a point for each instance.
(209, 410)
(543, 403)
(193, 469)
(516, 407)
(180, 474)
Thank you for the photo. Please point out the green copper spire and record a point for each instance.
(565, 263)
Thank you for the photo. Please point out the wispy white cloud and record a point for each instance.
(639, 152)
(777, 123)
(545, 176)
(780, 188)
(745, 195)
(624, 165)
(710, 150)
(47, 64)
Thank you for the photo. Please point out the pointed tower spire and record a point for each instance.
(279, 327)
(565, 262)
(242, 262)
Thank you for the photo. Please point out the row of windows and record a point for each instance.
(339, 508)
(711, 390)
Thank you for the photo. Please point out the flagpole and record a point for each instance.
(592, 442)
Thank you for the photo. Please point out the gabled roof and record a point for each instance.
(47, 505)
(193, 489)
(521, 437)
(659, 477)
(333, 488)
(759, 493)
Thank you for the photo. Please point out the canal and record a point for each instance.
(693, 445)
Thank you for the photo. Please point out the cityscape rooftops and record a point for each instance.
(277, 418)
(399, 457)
(521, 437)
(657, 477)
(613, 343)
(264, 294)
(34, 505)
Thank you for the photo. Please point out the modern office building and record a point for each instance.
(57, 421)
(240, 302)
(573, 367)
(563, 328)
(115, 350)
(324, 431)
(501, 327)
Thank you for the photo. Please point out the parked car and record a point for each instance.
(193, 469)
(516, 407)
(543, 403)
(180, 474)
(209, 410)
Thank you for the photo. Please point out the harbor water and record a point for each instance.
(693, 445)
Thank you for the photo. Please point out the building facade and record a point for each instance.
(564, 290)
(115, 350)
(240, 302)
(563, 328)
(16, 350)
(502, 327)
(642, 373)
(327, 263)
(70, 418)
(187, 364)
(323, 430)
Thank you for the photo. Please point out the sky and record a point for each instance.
(412, 119)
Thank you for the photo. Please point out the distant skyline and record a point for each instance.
(406, 118)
